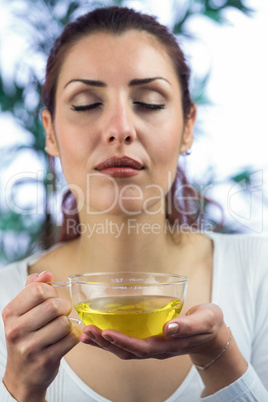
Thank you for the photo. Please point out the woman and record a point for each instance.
(118, 114)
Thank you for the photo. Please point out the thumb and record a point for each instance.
(201, 319)
(45, 276)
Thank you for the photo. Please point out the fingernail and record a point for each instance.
(108, 338)
(41, 273)
(173, 328)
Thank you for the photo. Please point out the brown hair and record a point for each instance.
(116, 20)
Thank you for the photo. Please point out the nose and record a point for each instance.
(119, 127)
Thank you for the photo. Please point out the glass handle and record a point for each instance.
(60, 284)
(75, 320)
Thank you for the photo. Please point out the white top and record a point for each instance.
(240, 288)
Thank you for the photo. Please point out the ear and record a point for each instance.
(188, 134)
(51, 142)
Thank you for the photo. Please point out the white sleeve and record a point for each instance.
(248, 388)
(253, 385)
(4, 394)
(259, 354)
(11, 283)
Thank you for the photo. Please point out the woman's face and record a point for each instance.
(118, 125)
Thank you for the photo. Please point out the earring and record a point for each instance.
(188, 152)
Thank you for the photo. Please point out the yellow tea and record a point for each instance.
(138, 316)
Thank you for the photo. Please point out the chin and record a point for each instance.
(116, 210)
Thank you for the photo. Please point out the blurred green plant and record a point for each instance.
(41, 21)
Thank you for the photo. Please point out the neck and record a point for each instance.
(119, 243)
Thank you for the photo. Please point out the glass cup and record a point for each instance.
(135, 303)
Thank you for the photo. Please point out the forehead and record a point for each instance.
(106, 56)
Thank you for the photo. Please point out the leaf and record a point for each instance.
(73, 6)
(119, 3)
(178, 26)
(239, 5)
(215, 15)
(215, 12)
(242, 177)
(199, 90)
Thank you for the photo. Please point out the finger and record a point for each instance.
(31, 296)
(85, 339)
(44, 276)
(31, 278)
(127, 347)
(42, 314)
(60, 348)
(202, 319)
(158, 347)
(95, 334)
(141, 348)
(126, 355)
(53, 332)
(46, 336)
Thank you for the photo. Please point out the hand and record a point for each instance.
(201, 333)
(38, 335)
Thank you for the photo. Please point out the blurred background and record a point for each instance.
(225, 45)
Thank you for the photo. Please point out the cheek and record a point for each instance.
(75, 147)
(165, 154)
(72, 161)
(74, 144)
(74, 139)
(165, 150)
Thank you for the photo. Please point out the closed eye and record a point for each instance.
(82, 108)
(150, 106)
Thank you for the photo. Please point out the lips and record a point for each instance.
(120, 167)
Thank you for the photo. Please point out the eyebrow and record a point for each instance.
(88, 82)
(144, 81)
(132, 83)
